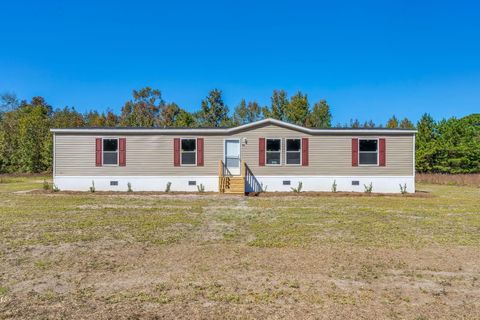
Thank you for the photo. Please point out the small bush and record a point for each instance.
(46, 185)
(334, 186)
(403, 189)
(129, 186)
(263, 188)
(369, 188)
(55, 188)
(201, 188)
(92, 188)
(298, 188)
(167, 188)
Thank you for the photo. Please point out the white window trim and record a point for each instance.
(118, 152)
(301, 153)
(280, 151)
(195, 152)
(378, 152)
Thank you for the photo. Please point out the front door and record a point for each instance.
(232, 156)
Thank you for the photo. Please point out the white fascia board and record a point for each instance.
(232, 130)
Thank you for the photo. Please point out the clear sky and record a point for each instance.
(368, 59)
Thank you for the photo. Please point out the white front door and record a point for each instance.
(232, 156)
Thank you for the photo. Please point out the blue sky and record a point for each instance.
(369, 59)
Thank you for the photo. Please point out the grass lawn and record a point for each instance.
(130, 256)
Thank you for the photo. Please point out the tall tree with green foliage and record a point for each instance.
(392, 123)
(320, 117)
(185, 119)
(9, 141)
(354, 123)
(278, 106)
(298, 109)
(143, 110)
(406, 124)
(94, 119)
(457, 148)
(425, 143)
(34, 138)
(168, 114)
(111, 119)
(214, 112)
(67, 118)
(246, 112)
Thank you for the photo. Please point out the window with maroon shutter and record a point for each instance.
(110, 151)
(188, 152)
(200, 152)
(368, 154)
(98, 152)
(304, 151)
(176, 152)
(354, 152)
(261, 152)
(383, 153)
(293, 151)
(122, 157)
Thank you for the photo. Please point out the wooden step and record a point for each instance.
(229, 191)
(236, 182)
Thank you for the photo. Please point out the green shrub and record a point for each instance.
(298, 188)
(369, 188)
(334, 186)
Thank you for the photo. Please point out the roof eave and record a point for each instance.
(232, 130)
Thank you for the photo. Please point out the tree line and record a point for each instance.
(26, 144)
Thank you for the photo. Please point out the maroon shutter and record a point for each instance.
(261, 152)
(200, 152)
(304, 151)
(122, 157)
(176, 152)
(354, 152)
(383, 153)
(98, 152)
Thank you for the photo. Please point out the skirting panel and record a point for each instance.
(138, 183)
(380, 184)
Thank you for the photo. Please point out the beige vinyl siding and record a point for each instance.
(152, 155)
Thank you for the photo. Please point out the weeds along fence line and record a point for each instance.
(449, 179)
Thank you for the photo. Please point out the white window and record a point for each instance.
(293, 153)
(110, 152)
(368, 151)
(189, 152)
(273, 151)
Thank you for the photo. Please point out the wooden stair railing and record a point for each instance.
(228, 183)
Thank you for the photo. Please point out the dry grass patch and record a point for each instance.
(449, 179)
(209, 256)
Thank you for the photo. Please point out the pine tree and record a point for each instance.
(320, 117)
(278, 106)
(392, 123)
(246, 113)
(406, 124)
(143, 110)
(214, 112)
(298, 109)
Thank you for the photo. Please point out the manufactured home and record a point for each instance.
(267, 155)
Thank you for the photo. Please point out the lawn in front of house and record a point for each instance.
(219, 256)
